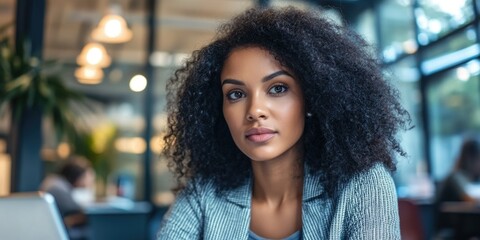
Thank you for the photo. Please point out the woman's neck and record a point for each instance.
(277, 181)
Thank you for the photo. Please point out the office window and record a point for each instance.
(365, 26)
(435, 18)
(397, 33)
(450, 51)
(454, 113)
(162, 179)
(411, 178)
(296, 3)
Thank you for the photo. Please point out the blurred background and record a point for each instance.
(115, 56)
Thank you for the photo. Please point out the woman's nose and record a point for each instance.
(257, 109)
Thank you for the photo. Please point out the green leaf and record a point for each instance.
(22, 82)
(26, 81)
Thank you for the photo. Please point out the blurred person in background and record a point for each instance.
(75, 175)
(466, 172)
(461, 185)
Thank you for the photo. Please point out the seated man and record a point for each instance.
(75, 173)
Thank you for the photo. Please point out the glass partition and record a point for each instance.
(397, 32)
(411, 178)
(436, 18)
(365, 26)
(450, 51)
(454, 113)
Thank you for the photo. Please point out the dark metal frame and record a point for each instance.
(24, 142)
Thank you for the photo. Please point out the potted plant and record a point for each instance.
(35, 91)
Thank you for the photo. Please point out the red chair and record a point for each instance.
(410, 220)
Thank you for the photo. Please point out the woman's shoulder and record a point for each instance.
(377, 172)
(376, 179)
(198, 188)
(369, 202)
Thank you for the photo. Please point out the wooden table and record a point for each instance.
(463, 217)
(461, 207)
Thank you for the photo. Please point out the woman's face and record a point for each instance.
(262, 104)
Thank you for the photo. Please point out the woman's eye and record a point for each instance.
(278, 89)
(235, 95)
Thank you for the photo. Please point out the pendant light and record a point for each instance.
(94, 54)
(89, 75)
(112, 29)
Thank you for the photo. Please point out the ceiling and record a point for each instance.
(182, 26)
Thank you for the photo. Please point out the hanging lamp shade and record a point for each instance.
(94, 54)
(112, 29)
(89, 74)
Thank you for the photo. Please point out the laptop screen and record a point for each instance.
(30, 216)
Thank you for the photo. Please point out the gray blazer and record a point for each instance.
(365, 209)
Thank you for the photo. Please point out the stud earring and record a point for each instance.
(309, 114)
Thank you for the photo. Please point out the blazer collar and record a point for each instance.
(241, 195)
(312, 188)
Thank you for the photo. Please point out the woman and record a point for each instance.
(284, 128)
(466, 172)
(455, 188)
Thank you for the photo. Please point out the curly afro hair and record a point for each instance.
(355, 112)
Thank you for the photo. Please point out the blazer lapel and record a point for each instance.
(230, 217)
(314, 208)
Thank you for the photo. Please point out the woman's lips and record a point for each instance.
(259, 135)
(259, 138)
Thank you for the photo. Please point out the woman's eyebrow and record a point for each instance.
(276, 74)
(264, 79)
(232, 81)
